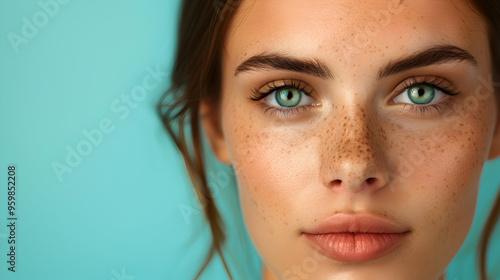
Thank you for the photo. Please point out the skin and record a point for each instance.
(356, 151)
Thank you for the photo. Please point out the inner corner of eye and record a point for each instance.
(391, 102)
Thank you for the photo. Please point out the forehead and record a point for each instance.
(354, 31)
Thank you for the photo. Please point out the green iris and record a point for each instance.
(421, 94)
(288, 97)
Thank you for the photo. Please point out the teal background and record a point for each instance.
(126, 211)
(117, 214)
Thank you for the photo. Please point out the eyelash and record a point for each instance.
(435, 82)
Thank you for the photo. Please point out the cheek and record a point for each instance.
(439, 171)
(272, 169)
(440, 176)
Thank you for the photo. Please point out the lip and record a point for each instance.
(356, 238)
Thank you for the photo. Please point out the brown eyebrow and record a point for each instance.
(435, 55)
(277, 61)
(314, 67)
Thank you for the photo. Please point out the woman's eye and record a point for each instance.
(289, 97)
(421, 94)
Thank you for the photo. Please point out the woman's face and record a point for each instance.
(332, 110)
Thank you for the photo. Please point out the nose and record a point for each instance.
(353, 155)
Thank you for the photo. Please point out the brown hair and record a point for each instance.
(197, 76)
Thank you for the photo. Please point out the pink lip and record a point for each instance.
(356, 238)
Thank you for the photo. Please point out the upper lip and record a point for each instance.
(356, 223)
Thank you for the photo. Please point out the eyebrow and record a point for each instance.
(434, 55)
(314, 67)
(278, 61)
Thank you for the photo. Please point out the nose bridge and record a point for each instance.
(355, 147)
(355, 128)
(351, 159)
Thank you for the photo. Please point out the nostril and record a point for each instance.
(336, 183)
(371, 180)
(370, 183)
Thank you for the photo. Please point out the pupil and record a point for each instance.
(421, 92)
(289, 95)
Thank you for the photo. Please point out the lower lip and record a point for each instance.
(356, 247)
